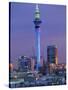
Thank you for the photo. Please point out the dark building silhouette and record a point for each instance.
(24, 64)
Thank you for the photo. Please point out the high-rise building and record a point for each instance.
(41, 61)
(37, 23)
(24, 64)
(32, 64)
(52, 57)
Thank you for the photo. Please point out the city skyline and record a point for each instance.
(53, 30)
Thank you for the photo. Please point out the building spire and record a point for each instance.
(37, 12)
(37, 8)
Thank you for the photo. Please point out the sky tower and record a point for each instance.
(37, 23)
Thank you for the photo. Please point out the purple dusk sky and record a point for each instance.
(53, 29)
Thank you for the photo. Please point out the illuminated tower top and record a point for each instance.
(37, 20)
(37, 12)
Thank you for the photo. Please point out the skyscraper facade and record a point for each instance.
(52, 57)
(37, 23)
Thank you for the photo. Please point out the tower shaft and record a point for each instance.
(37, 32)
